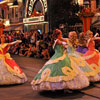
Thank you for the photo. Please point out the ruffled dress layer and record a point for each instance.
(81, 49)
(10, 72)
(83, 64)
(92, 57)
(60, 72)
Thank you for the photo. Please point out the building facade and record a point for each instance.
(35, 15)
(12, 16)
(32, 14)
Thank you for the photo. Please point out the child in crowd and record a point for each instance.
(22, 49)
(34, 50)
(32, 39)
(15, 49)
(50, 49)
(28, 53)
(45, 52)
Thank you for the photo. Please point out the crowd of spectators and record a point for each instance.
(33, 44)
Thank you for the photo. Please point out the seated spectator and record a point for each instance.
(50, 48)
(34, 51)
(45, 52)
(32, 39)
(22, 49)
(15, 49)
(29, 51)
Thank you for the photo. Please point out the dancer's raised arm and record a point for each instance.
(17, 41)
(64, 39)
(95, 37)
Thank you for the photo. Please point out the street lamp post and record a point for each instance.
(1, 28)
(2, 6)
(86, 16)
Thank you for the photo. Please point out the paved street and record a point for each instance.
(24, 92)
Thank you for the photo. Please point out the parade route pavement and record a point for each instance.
(31, 66)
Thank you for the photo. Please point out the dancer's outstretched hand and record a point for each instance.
(19, 41)
(97, 34)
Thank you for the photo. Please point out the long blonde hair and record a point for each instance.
(73, 38)
(82, 39)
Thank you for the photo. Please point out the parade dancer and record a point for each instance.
(59, 72)
(10, 73)
(92, 56)
(81, 48)
(78, 59)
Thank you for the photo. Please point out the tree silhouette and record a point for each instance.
(62, 12)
